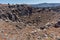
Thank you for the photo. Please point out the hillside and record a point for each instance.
(24, 22)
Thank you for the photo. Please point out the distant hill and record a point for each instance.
(46, 5)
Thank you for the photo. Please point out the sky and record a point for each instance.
(28, 1)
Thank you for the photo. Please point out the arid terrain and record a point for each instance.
(24, 22)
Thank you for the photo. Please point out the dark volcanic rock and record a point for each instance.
(57, 25)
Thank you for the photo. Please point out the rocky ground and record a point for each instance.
(23, 22)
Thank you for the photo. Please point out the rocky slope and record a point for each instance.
(23, 22)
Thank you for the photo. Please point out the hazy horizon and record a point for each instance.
(28, 1)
